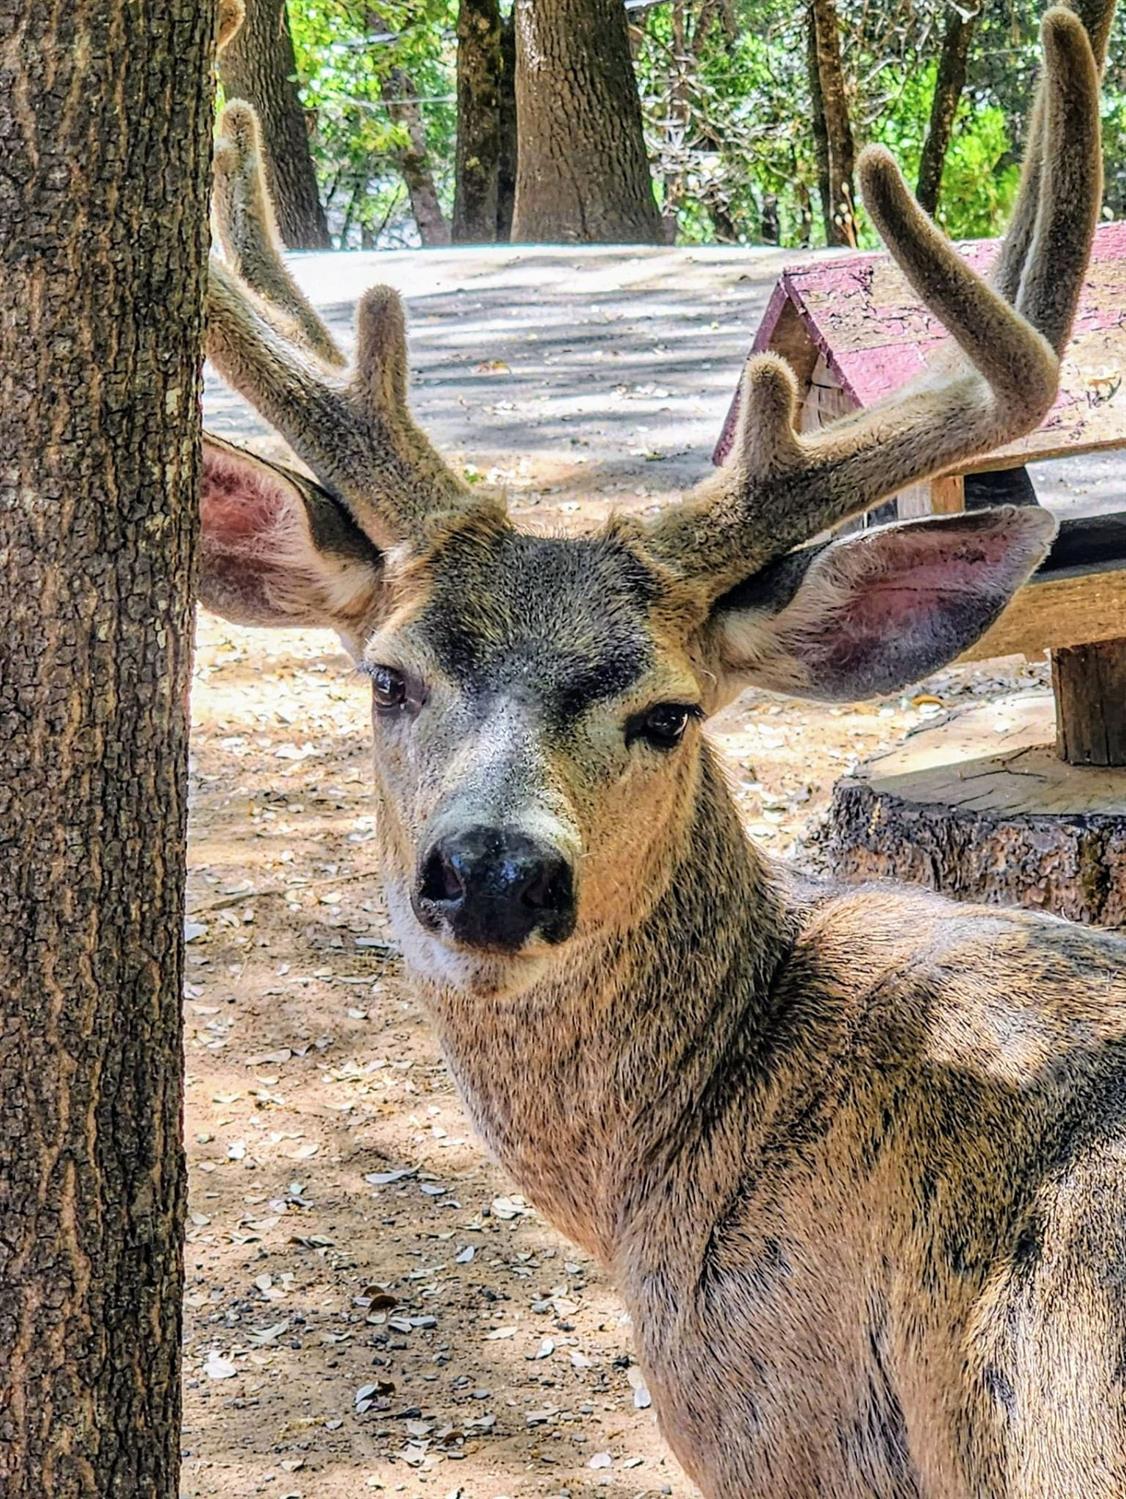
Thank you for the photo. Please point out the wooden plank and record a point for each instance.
(1054, 613)
(824, 399)
(998, 757)
(948, 495)
(1093, 543)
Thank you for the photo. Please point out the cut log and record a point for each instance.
(981, 808)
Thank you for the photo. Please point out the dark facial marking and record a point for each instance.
(563, 622)
(333, 529)
(774, 586)
(1000, 1389)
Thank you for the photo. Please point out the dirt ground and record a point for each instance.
(370, 1307)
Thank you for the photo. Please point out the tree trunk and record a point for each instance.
(771, 229)
(831, 128)
(677, 121)
(817, 125)
(479, 81)
(105, 132)
(258, 65)
(506, 167)
(414, 160)
(582, 176)
(979, 807)
(947, 94)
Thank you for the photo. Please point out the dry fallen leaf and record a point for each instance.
(218, 1367)
(261, 1336)
(509, 1207)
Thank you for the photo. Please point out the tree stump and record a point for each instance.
(981, 807)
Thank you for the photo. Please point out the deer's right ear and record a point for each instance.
(276, 549)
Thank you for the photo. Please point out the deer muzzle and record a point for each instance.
(494, 889)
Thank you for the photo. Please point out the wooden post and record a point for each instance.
(1089, 683)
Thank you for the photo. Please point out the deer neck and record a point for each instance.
(595, 1080)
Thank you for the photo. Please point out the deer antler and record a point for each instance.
(350, 424)
(244, 220)
(780, 487)
(231, 15)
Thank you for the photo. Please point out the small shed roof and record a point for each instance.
(859, 312)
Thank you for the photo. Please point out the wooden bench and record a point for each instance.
(982, 822)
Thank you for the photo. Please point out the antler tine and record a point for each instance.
(1071, 180)
(779, 487)
(353, 428)
(1096, 16)
(356, 435)
(232, 13)
(248, 233)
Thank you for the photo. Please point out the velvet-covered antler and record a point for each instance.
(779, 487)
(350, 423)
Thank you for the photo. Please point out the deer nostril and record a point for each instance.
(494, 888)
(550, 887)
(440, 879)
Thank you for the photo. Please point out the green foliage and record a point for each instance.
(981, 174)
(725, 93)
(345, 54)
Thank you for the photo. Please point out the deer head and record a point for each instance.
(538, 701)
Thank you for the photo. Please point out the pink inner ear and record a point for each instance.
(242, 504)
(890, 584)
(886, 607)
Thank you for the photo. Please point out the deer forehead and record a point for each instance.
(567, 622)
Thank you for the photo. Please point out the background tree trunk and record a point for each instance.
(947, 93)
(480, 67)
(258, 65)
(105, 132)
(582, 173)
(832, 130)
(414, 160)
(506, 167)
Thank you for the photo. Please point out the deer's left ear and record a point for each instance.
(869, 612)
(277, 549)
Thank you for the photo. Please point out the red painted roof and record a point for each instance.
(875, 336)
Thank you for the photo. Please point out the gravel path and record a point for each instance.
(586, 369)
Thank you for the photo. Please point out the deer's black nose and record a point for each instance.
(494, 887)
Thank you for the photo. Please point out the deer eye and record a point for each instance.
(389, 688)
(662, 726)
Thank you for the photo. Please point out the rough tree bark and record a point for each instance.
(480, 67)
(981, 807)
(832, 130)
(105, 135)
(582, 173)
(414, 159)
(258, 65)
(947, 95)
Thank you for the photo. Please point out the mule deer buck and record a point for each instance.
(855, 1157)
